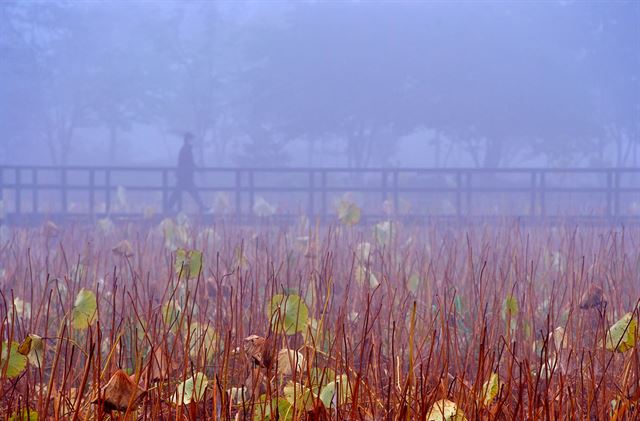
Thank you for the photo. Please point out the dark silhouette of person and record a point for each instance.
(184, 176)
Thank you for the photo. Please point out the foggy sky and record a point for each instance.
(356, 83)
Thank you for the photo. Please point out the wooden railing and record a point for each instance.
(32, 191)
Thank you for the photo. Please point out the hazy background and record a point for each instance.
(321, 83)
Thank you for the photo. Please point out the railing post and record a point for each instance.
(532, 210)
(609, 192)
(312, 182)
(238, 193)
(165, 190)
(396, 197)
(468, 191)
(18, 192)
(616, 207)
(180, 198)
(34, 191)
(385, 176)
(543, 181)
(251, 194)
(107, 186)
(63, 181)
(323, 184)
(458, 193)
(2, 204)
(92, 192)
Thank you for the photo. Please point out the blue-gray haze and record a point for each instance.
(321, 83)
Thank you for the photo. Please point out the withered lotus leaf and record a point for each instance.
(123, 249)
(119, 393)
(318, 413)
(593, 298)
(161, 366)
(50, 230)
(259, 350)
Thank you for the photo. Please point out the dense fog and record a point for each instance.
(321, 83)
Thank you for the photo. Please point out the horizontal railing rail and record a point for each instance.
(535, 192)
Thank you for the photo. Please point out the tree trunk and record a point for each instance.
(438, 150)
(473, 151)
(311, 150)
(493, 153)
(52, 150)
(200, 134)
(220, 141)
(113, 144)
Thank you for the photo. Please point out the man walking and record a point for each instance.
(184, 176)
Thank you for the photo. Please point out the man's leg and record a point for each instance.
(193, 191)
(173, 199)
